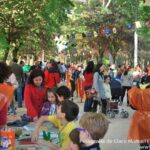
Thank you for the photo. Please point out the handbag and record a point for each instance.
(91, 93)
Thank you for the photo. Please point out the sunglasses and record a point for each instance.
(81, 129)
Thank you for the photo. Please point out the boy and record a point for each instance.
(63, 93)
(67, 111)
(94, 127)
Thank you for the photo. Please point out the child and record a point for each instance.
(6, 94)
(67, 111)
(107, 91)
(94, 127)
(49, 106)
(75, 140)
(63, 93)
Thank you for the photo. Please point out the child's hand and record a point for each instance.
(34, 136)
(42, 142)
(35, 119)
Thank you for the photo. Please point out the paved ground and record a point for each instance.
(116, 137)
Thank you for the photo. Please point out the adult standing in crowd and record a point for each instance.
(139, 98)
(18, 71)
(6, 93)
(34, 94)
(88, 82)
(98, 84)
(127, 82)
(52, 75)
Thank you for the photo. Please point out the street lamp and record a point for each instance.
(136, 35)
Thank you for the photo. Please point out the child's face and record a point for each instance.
(73, 146)
(59, 114)
(60, 98)
(51, 97)
(84, 135)
(38, 81)
(107, 80)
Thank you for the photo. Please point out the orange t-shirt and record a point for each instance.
(6, 94)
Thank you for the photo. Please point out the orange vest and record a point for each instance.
(140, 123)
(6, 94)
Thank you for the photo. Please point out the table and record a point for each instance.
(27, 130)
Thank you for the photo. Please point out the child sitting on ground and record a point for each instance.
(67, 111)
(93, 127)
(49, 106)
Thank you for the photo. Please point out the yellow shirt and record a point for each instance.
(64, 131)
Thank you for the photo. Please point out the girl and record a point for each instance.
(34, 94)
(88, 76)
(49, 107)
(107, 91)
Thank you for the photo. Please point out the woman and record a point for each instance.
(52, 75)
(99, 87)
(88, 82)
(6, 94)
(139, 98)
(34, 94)
(127, 82)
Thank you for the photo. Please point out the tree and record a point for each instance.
(118, 16)
(27, 24)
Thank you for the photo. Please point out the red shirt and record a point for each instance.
(34, 99)
(52, 77)
(88, 79)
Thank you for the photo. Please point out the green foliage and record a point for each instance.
(30, 24)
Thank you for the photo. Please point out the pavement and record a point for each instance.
(116, 136)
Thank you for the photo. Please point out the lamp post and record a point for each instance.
(136, 35)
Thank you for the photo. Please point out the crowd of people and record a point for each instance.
(39, 88)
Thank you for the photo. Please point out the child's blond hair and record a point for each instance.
(95, 123)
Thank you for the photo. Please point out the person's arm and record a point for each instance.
(49, 145)
(35, 133)
(96, 82)
(31, 111)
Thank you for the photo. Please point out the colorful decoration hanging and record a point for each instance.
(73, 36)
(89, 34)
(95, 34)
(101, 32)
(114, 30)
(67, 36)
(121, 29)
(107, 32)
(83, 35)
(129, 26)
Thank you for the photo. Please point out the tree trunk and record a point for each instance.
(6, 54)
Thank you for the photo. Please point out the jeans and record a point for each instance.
(104, 106)
(88, 105)
(124, 88)
(19, 95)
(12, 108)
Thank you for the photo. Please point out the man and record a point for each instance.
(18, 71)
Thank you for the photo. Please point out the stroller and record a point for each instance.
(116, 92)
